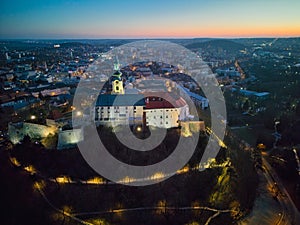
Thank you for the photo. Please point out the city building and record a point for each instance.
(113, 110)
(165, 111)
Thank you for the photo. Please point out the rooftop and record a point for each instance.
(120, 100)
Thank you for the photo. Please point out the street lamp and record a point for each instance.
(139, 129)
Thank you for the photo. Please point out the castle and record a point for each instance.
(158, 106)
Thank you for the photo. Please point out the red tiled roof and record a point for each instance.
(55, 114)
(156, 100)
(7, 97)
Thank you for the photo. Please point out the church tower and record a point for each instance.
(117, 83)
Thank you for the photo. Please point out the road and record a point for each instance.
(290, 214)
(279, 210)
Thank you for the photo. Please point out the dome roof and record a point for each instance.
(116, 75)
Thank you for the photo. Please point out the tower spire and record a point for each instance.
(117, 65)
(117, 83)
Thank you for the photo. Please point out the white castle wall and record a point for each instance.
(17, 131)
(69, 138)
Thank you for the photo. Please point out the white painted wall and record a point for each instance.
(69, 137)
(119, 115)
(163, 118)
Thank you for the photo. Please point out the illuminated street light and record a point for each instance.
(33, 117)
(62, 179)
(95, 180)
(30, 169)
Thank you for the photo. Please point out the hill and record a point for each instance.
(217, 45)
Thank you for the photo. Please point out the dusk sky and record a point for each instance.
(148, 19)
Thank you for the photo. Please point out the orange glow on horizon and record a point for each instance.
(216, 31)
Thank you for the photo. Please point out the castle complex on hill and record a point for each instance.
(155, 102)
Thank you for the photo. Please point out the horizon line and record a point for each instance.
(144, 38)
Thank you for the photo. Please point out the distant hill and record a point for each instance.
(217, 44)
(73, 44)
(292, 43)
(20, 45)
(271, 43)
